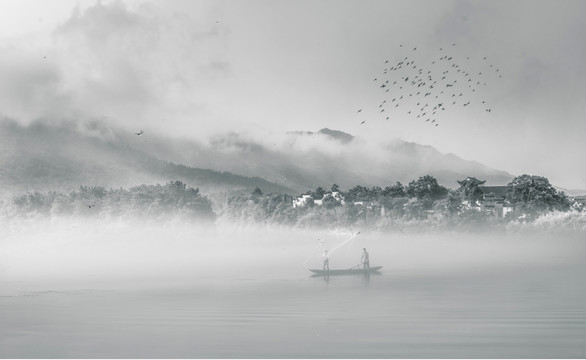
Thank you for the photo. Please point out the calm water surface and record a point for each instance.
(496, 313)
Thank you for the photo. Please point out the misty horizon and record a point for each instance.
(292, 179)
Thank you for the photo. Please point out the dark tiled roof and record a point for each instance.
(471, 179)
(496, 190)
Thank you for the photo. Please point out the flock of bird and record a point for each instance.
(425, 90)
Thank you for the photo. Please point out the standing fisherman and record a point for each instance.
(365, 261)
(326, 258)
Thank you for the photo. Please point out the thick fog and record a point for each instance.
(104, 255)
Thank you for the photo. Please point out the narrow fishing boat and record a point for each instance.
(373, 269)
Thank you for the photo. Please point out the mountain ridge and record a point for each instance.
(58, 158)
(62, 156)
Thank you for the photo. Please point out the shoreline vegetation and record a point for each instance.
(527, 203)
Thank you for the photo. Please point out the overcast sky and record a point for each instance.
(195, 68)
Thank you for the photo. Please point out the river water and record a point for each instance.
(462, 299)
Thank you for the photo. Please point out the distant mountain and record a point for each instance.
(572, 192)
(43, 157)
(338, 135)
(334, 134)
(303, 160)
(64, 156)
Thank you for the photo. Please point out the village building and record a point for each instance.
(303, 199)
(489, 199)
(578, 202)
(470, 189)
(494, 200)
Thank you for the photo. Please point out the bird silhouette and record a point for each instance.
(139, 133)
(406, 84)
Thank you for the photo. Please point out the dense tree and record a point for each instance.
(318, 193)
(418, 208)
(30, 203)
(330, 202)
(426, 187)
(364, 194)
(269, 208)
(375, 193)
(172, 199)
(451, 205)
(357, 193)
(394, 191)
(533, 195)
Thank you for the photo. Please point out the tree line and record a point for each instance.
(145, 201)
(422, 201)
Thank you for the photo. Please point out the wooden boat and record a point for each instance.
(372, 269)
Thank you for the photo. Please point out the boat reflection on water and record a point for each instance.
(351, 271)
(364, 274)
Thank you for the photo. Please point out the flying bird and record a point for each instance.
(410, 82)
(139, 133)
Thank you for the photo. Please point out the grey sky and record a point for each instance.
(193, 68)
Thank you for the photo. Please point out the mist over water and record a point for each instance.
(80, 288)
(84, 249)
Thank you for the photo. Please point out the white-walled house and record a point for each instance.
(301, 200)
(304, 198)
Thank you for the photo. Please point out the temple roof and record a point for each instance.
(471, 179)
